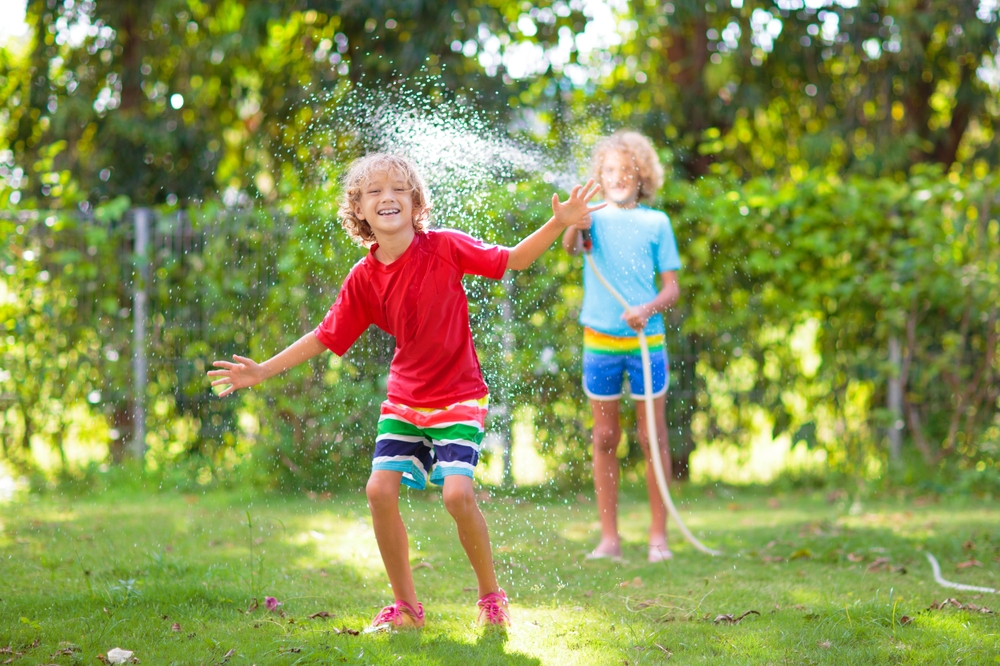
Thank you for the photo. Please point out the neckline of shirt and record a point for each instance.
(400, 260)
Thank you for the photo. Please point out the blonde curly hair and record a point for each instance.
(640, 149)
(362, 172)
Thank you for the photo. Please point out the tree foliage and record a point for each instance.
(833, 193)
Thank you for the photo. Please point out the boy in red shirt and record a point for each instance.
(431, 425)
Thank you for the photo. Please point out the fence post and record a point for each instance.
(894, 399)
(141, 218)
(504, 410)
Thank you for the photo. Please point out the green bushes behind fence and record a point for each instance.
(803, 300)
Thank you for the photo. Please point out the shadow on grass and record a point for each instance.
(490, 648)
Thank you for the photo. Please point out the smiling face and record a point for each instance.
(619, 179)
(387, 205)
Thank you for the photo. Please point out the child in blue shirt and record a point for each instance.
(632, 244)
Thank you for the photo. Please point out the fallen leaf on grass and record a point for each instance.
(422, 565)
(253, 606)
(978, 609)
(854, 557)
(349, 632)
(969, 563)
(879, 563)
(226, 657)
(645, 604)
(960, 606)
(320, 614)
(66, 649)
(826, 645)
(801, 553)
(905, 620)
(772, 558)
(294, 650)
(635, 582)
(176, 626)
(729, 619)
(945, 602)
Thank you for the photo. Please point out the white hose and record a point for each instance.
(955, 586)
(654, 442)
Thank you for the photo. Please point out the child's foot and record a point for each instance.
(606, 551)
(493, 609)
(399, 615)
(659, 553)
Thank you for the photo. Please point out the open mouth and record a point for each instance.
(389, 211)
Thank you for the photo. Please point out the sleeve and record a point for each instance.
(667, 257)
(347, 318)
(475, 257)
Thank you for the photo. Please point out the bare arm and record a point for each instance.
(245, 373)
(670, 292)
(564, 215)
(572, 240)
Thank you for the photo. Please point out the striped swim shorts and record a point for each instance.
(428, 444)
(608, 358)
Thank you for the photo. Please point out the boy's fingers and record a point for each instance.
(555, 200)
(224, 364)
(217, 373)
(227, 391)
(224, 380)
(242, 359)
(591, 209)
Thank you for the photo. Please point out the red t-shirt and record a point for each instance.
(419, 299)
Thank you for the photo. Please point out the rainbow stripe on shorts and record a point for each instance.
(596, 342)
(428, 444)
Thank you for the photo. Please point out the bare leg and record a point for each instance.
(658, 525)
(606, 434)
(390, 532)
(460, 500)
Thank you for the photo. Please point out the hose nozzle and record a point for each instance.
(588, 242)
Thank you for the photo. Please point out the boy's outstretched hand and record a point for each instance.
(244, 373)
(574, 211)
(575, 208)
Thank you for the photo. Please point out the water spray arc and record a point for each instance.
(647, 381)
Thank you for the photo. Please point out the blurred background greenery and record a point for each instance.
(833, 179)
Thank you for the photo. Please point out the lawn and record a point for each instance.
(174, 578)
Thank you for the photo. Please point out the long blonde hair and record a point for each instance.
(361, 172)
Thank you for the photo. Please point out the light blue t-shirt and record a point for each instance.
(631, 248)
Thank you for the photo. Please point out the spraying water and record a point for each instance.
(461, 152)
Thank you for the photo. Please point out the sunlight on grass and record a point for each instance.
(341, 541)
(197, 561)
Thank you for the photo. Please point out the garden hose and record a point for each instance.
(647, 381)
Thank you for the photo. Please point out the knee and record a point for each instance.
(380, 494)
(459, 500)
(606, 439)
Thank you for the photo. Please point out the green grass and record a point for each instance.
(119, 570)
